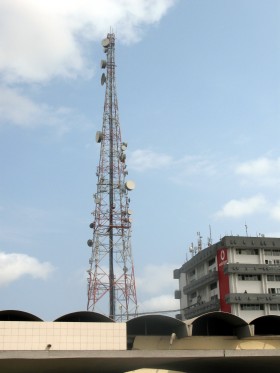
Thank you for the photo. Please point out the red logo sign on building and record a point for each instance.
(223, 279)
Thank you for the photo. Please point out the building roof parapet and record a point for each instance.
(200, 257)
(176, 274)
(245, 241)
(228, 242)
(177, 294)
(244, 268)
(252, 298)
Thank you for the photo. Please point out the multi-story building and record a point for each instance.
(239, 275)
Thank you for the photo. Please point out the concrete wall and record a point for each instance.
(206, 343)
(29, 335)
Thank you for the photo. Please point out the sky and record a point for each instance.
(198, 85)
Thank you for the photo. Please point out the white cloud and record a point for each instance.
(159, 304)
(260, 171)
(182, 168)
(18, 109)
(142, 160)
(156, 288)
(272, 234)
(156, 279)
(42, 39)
(190, 166)
(21, 111)
(246, 206)
(13, 266)
(275, 211)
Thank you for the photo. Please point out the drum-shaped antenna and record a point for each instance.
(105, 42)
(98, 136)
(130, 185)
(122, 157)
(103, 64)
(103, 79)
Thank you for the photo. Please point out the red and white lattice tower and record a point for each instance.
(111, 273)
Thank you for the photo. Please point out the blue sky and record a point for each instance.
(198, 88)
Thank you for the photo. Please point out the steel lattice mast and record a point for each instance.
(111, 272)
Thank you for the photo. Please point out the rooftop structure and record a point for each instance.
(91, 343)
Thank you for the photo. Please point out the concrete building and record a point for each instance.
(239, 275)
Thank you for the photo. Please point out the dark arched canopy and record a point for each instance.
(153, 325)
(217, 323)
(15, 315)
(84, 316)
(267, 325)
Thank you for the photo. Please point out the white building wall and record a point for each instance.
(182, 284)
(249, 286)
(250, 315)
(201, 270)
(37, 335)
(252, 259)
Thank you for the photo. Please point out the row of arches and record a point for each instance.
(210, 324)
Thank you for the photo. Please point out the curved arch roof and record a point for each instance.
(16, 315)
(217, 323)
(84, 316)
(267, 325)
(229, 317)
(153, 325)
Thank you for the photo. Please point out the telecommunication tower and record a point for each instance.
(111, 273)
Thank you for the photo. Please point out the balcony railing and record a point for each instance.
(202, 281)
(201, 308)
(253, 298)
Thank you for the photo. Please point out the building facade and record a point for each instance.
(239, 275)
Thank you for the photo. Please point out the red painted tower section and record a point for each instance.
(111, 280)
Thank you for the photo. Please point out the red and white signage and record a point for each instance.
(223, 279)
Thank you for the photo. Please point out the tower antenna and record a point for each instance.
(210, 236)
(111, 272)
(199, 242)
(246, 229)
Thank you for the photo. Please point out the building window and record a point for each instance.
(211, 262)
(190, 276)
(192, 273)
(247, 251)
(274, 290)
(249, 277)
(274, 252)
(252, 307)
(213, 286)
(214, 297)
(275, 261)
(273, 277)
(274, 307)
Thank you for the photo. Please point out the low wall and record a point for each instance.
(29, 335)
(206, 343)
